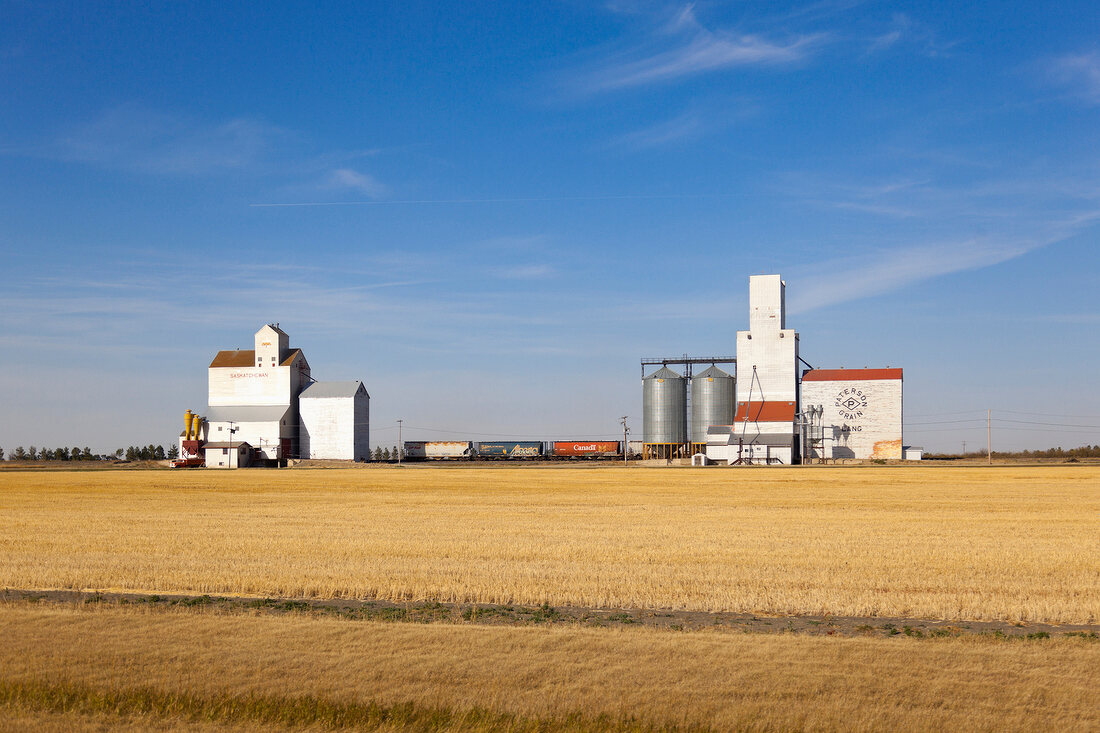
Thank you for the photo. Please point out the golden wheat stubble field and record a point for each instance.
(959, 543)
(934, 542)
(193, 663)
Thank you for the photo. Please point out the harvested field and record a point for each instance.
(100, 664)
(1015, 544)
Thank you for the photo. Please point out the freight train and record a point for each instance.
(511, 450)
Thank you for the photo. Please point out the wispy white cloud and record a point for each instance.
(688, 126)
(706, 52)
(914, 35)
(520, 243)
(901, 264)
(261, 297)
(702, 118)
(683, 47)
(521, 253)
(852, 278)
(879, 209)
(1070, 318)
(368, 297)
(1080, 74)
(950, 227)
(134, 138)
(817, 10)
(884, 41)
(1032, 198)
(892, 198)
(346, 178)
(525, 272)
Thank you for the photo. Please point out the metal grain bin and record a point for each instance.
(713, 401)
(664, 407)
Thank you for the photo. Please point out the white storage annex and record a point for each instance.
(335, 420)
(861, 411)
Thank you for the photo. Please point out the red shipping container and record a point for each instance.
(586, 448)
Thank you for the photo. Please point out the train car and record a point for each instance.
(511, 449)
(438, 450)
(586, 449)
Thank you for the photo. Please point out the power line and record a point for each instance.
(1062, 424)
(1013, 412)
(1052, 414)
(1046, 430)
(999, 420)
(1003, 427)
(942, 414)
(944, 430)
(509, 434)
(375, 428)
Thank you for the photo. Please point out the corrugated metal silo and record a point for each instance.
(713, 401)
(664, 407)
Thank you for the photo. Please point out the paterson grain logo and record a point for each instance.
(851, 402)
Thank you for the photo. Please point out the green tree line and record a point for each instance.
(385, 454)
(132, 453)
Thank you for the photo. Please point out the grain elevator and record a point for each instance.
(265, 408)
(771, 411)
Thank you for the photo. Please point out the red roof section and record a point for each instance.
(844, 375)
(765, 412)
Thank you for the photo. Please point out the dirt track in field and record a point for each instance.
(517, 615)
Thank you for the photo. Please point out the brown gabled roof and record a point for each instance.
(843, 375)
(246, 358)
(239, 358)
(764, 412)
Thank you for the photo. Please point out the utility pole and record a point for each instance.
(232, 449)
(989, 436)
(964, 449)
(626, 430)
(400, 444)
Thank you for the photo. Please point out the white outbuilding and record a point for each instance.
(228, 454)
(335, 419)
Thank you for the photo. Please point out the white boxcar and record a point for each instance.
(438, 449)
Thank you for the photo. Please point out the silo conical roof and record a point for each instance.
(665, 373)
(713, 372)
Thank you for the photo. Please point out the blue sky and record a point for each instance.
(489, 212)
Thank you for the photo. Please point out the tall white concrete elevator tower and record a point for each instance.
(765, 427)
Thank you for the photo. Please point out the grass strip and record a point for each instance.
(302, 711)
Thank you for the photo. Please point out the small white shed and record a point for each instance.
(228, 454)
